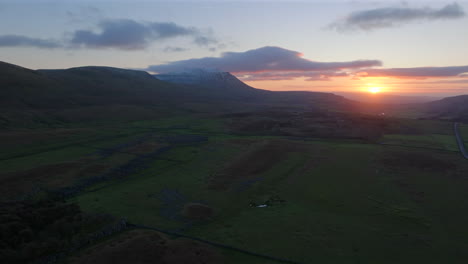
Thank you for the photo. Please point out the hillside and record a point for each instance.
(217, 84)
(51, 97)
(452, 108)
(106, 85)
(224, 85)
(21, 87)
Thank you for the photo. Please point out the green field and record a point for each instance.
(328, 201)
(331, 214)
(434, 141)
(464, 133)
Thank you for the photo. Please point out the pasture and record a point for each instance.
(320, 200)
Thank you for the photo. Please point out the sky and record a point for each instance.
(402, 47)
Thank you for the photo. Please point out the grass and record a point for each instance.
(435, 141)
(422, 134)
(43, 158)
(325, 209)
(163, 244)
(332, 214)
(463, 128)
(141, 192)
(427, 126)
(330, 201)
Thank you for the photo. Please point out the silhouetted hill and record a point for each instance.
(89, 93)
(225, 85)
(453, 108)
(50, 97)
(21, 87)
(106, 85)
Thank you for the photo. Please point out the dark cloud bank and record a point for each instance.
(275, 63)
(260, 60)
(419, 72)
(128, 34)
(123, 34)
(174, 49)
(394, 16)
(23, 41)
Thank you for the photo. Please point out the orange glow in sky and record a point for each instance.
(374, 90)
(370, 84)
(433, 86)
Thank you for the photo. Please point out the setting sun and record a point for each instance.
(374, 90)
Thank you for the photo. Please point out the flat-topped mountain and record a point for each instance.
(222, 84)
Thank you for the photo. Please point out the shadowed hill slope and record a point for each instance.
(51, 97)
(21, 87)
(106, 85)
(224, 85)
(452, 108)
(104, 93)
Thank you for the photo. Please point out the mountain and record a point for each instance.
(21, 87)
(107, 85)
(51, 97)
(452, 108)
(76, 86)
(219, 84)
(226, 85)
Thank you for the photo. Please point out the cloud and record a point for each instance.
(417, 73)
(84, 14)
(395, 16)
(275, 63)
(23, 41)
(174, 49)
(265, 59)
(204, 40)
(127, 34)
(282, 76)
(123, 34)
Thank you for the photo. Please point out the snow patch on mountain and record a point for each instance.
(196, 76)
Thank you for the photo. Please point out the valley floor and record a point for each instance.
(398, 199)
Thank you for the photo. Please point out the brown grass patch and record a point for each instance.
(17, 183)
(144, 147)
(197, 211)
(242, 141)
(253, 163)
(24, 137)
(14, 184)
(145, 247)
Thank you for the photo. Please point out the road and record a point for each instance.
(460, 140)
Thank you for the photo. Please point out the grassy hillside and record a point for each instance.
(105, 85)
(452, 108)
(54, 98)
